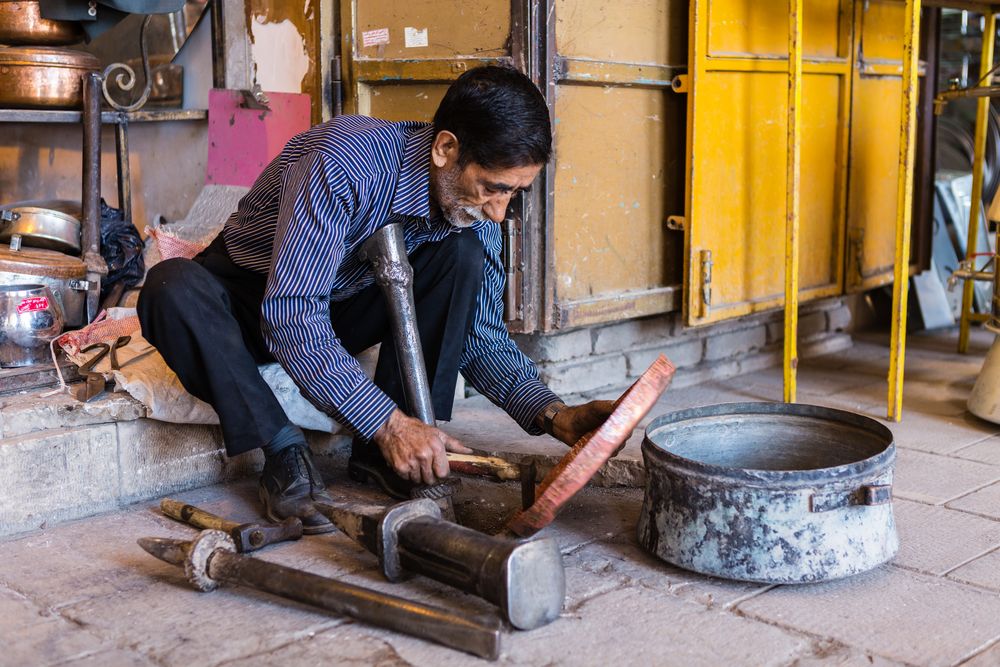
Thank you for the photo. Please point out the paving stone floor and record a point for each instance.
(83, 593)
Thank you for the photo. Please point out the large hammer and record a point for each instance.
(386, 250)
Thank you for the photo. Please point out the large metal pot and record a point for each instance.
(21, 22)
(769, 492)
(43, 77)
(30, 317)
(65, 276)
(52, 224)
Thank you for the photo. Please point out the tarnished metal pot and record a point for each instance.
(66, 276)
(29, 319)
(43, 77)
(769, 492)
(21, 22)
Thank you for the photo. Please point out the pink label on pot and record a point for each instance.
(32, 304)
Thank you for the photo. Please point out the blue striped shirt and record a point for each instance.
(303, 222)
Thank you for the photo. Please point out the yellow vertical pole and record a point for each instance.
(904, 208)
(972, 238)
(792, 174)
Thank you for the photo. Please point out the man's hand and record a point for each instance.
(572, 423)
(416, 451)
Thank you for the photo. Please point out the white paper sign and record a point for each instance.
(375, 37)
(415, 37)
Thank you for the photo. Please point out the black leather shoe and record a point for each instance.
(289, 484)
(366, 463)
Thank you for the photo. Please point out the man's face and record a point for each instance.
(471, 193)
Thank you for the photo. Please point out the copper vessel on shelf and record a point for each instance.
(21, 22)
(43, 77)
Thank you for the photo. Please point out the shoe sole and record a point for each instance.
(328, 527)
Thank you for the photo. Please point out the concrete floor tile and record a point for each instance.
(934, 539)
(84, 559)
(173, 624)
(632, 627)
(983, 572)
(937, 434)
(833, 654)
(989, 657)
(32, 636)
(984, 451)
(901, 615)
(985, 502)
(933, 479)
(624, 560)
(661, 630)
(113, 658)
(346, 644)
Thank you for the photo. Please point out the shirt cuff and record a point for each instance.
(527, 402)
(366, 409)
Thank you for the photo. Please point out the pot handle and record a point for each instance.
(7, 217)
(869, 494)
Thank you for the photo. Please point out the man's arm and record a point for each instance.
(313, 221)
(497, 368)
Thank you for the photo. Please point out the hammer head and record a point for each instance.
(252, 536)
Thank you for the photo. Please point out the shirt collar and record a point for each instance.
(412, 196)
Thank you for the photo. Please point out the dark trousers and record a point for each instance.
(203, 315)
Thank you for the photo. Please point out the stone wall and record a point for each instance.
(590, 359)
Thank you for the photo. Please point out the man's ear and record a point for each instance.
(444, 150)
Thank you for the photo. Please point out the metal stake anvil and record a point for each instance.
(211, 559)
(386, 250)
(525, 578)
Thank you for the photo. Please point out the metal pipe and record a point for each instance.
(386, 250)
(124, 172)
(211, 559)
(978, 162)
(91, 195)
(904, 209)
(792, 181)
(336, 86)
(946, 96)
(218, 44)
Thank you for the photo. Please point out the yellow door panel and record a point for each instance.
(874, 169)
(754, 28)
(737, 152)
(610, 191)
(624, 31)
(413, 101)
(471, 27)
(881, 30)
(874, 149)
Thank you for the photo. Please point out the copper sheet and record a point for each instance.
(593, 450)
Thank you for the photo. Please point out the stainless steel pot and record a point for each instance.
(769, 492)
(65, 276)
(53, 224)
(43, 77)
(21, 22)
(30, 317)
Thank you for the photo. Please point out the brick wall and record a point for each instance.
(592, 358)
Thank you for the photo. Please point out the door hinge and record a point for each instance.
(706, 282)
(513, 261)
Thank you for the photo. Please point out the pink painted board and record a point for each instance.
(241, 142)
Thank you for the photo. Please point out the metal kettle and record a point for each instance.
(30, 317)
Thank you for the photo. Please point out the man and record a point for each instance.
(284, 281)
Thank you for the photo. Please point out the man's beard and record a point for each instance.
(447, 194)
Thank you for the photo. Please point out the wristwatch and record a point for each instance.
(549, 413)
